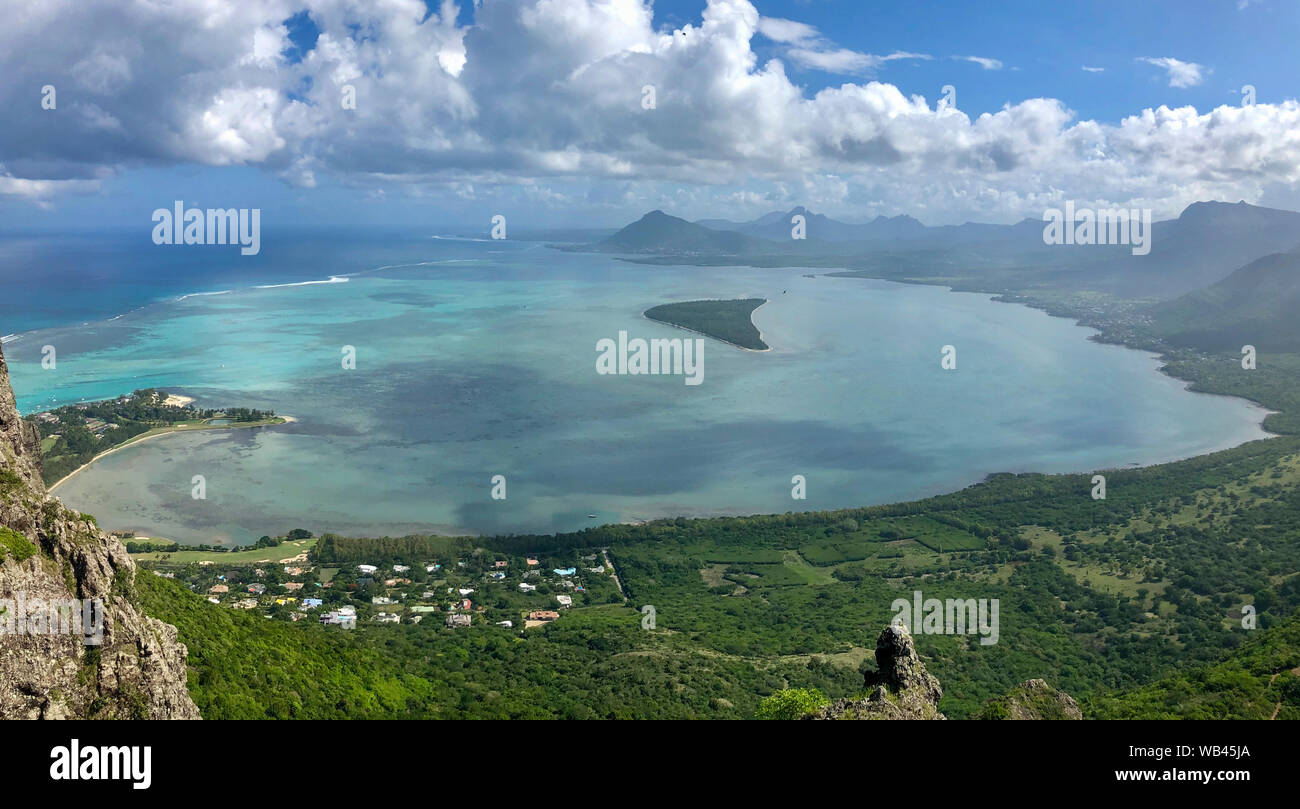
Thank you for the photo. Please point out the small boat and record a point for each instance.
(591, 516)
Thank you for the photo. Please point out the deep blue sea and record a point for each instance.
(477, 358)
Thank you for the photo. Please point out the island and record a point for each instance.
(74, 436)
(728, 321)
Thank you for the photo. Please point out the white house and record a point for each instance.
(367, 569)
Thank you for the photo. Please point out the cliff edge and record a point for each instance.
(48, 557)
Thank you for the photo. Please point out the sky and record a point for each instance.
(439, 113)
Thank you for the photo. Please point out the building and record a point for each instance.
(339, 618)
(526, 587)
(565, 601)
(501, 563)
(401, 568)
(531, 561)
(367, 569)
(387, 618)
(312, 602)
(458, 619)
(218, 588)
(257, 589)
(543, 615)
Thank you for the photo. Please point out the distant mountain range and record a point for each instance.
(1204, 245)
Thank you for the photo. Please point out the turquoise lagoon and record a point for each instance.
(476, 359)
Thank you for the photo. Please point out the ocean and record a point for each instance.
(477, 359)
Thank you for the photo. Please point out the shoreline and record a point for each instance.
(162, 431)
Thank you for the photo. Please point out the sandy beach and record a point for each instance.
(151, 435)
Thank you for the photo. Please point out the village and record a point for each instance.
(478, 589)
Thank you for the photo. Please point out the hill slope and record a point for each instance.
(1258, 305)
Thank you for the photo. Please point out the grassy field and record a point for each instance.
(247, 557)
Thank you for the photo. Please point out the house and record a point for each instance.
(345, 620)
(382, 600)
(293, 571)
(568, 585)
(456, 620)
(526, 587)
(467, 605)
(600, 569)
(390, 582)
(531, 561)
(431, 568)
(466, 590)
(496, 576)
(429, 594)
(214, 600)
(543, 615)
(347, 610)
(423, 608)
(218, 588)
(387, 618)
(257, 589)
(565, 601)
(246, 604)
(415, 619)
(501, 563)
(296, 616)
(293, 585)
(312, 602)
(401, 568)
(565, 571)
(506, 624)
(367, 569)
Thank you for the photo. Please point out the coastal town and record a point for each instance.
(476, 589)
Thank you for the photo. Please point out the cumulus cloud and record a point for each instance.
(1181, 74)
(1094, 69)
(545, 97)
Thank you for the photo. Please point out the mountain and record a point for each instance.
(657, 232)
(50, 554)
(1258, 304)
(776, 226)
(1205, 244)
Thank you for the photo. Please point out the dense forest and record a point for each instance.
(726, 320)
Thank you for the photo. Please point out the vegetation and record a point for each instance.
(729, 321)
(71, 436)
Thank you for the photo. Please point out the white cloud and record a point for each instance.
(1181, 74)
(808, 48)
(982, 61)
(1094, 69)
(542, 99)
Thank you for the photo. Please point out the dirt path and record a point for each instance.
(605, 553)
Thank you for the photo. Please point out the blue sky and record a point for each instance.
(529, 109)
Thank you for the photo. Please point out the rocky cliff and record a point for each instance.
(901, 688)
(48, 555)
